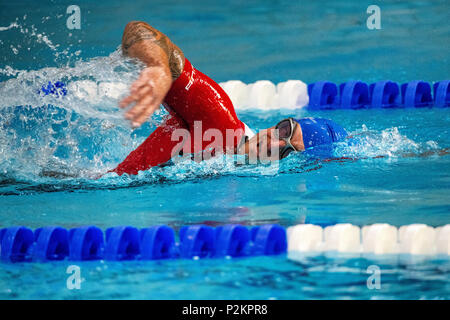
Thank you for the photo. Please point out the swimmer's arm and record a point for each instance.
(164, 63)
(154, 48)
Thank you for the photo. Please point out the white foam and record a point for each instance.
(90, 91)
(112, 89)
(84, 89)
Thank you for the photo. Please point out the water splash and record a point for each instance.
(30, 37)
(81, 134)
(388, 143)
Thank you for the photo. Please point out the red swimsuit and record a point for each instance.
(192, 97)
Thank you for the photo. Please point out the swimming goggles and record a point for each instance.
(285, 129)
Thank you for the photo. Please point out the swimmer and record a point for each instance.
(199, 106)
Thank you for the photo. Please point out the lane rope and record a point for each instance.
(326, 95)
(21, 244)
(292, 94)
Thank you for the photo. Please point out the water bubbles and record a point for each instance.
(432, 145)
(32, 36)
(65, 137)
(389, 143)
(11, 25)
(14, 50)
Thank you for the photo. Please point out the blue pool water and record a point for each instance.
(51, 149)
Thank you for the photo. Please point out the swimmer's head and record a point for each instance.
(276, 142)
(291, 135)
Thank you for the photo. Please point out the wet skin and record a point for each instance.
(266, 146)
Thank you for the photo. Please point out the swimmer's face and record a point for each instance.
(266, 146)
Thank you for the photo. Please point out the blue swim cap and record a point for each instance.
(317, 131)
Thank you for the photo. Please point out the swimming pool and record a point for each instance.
(51, 147)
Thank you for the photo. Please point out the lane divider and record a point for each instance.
(325, 95)
(373, 239)
(19, 244)
(129, 243)
(291, 94)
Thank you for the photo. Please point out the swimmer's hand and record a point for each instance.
(147, 93)
(164, 61)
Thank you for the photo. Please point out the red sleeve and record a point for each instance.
(155, 150)
(196, 97)
(192, 97)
